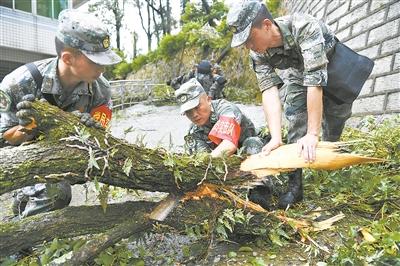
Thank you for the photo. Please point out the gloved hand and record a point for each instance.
(26, 129)
(87, 119)
(25, 113)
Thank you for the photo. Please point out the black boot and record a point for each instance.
(295, 190)
(261, 195)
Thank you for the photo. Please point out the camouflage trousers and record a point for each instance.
(334, 115)
(41, 198)
(253, 145)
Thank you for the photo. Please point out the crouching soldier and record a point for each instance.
(73, 82)
(211, 79)
(219, 127)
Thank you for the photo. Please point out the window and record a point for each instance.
(45, 8)
(59, 5)
(51, 8)
(6, 3)
(23, 5)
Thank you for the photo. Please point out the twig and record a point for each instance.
(205, 174)
(78, 147)
(226, 169)
(316, 244)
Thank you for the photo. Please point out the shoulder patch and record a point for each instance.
(5, 101)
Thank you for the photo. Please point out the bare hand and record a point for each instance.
(271, 145)
(306, 147)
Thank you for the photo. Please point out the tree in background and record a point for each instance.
(202, 12)
(135, 40)
(103, 7)
(146, 26)
(158, 18)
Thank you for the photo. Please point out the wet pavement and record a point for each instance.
(163, 125)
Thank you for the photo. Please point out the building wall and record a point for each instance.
(26, 36)
(372, 28)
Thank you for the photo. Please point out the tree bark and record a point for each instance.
(120, 221)
(52, 158)
(67, 150)
(67, 222)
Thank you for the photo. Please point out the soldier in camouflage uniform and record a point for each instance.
(212, 81)
(219, 127)
(72, 81)
(298, 47)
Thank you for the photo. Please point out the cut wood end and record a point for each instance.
(285, 158)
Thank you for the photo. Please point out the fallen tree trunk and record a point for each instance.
(83, 220)
(134, 225)
(68, 222)
(65, 151)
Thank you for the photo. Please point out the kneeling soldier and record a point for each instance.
(219, 127)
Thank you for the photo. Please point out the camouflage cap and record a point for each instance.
(188, 95)
(240, 18)
(88, 34)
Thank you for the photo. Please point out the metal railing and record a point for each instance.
(125, 93)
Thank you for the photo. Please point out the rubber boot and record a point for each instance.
(261, 195)
(295, 190)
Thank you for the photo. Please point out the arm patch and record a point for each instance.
(102, 114)
(5, 101)
(225, 128)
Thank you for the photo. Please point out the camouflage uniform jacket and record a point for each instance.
(303, 57)
(213, 84)
(198, 137)
(85, 97)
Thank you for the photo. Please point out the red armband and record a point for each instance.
(102, 114)
(225, 128)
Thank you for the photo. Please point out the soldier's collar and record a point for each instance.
(287, 37)
(49, 73)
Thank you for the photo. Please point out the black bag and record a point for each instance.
(347, 73)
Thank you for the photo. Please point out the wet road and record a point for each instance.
(163, 126)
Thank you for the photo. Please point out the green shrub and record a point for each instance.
(121, 70)
(170, 45)
(138, 62)
(164, 93)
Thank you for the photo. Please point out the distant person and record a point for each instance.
(301, 46)
(210, 77)
(73, 82)
(219, 127)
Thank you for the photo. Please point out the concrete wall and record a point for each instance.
(372, 28)
(24, 37)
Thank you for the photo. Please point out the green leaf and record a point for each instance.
(92, 160)
(257, 261)
(275, 238)
(245, 249)
(127, 166)
(103, 197)
(232, 254)
(177, 175)
(228, 225)
(96, 184)
(105, 259)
